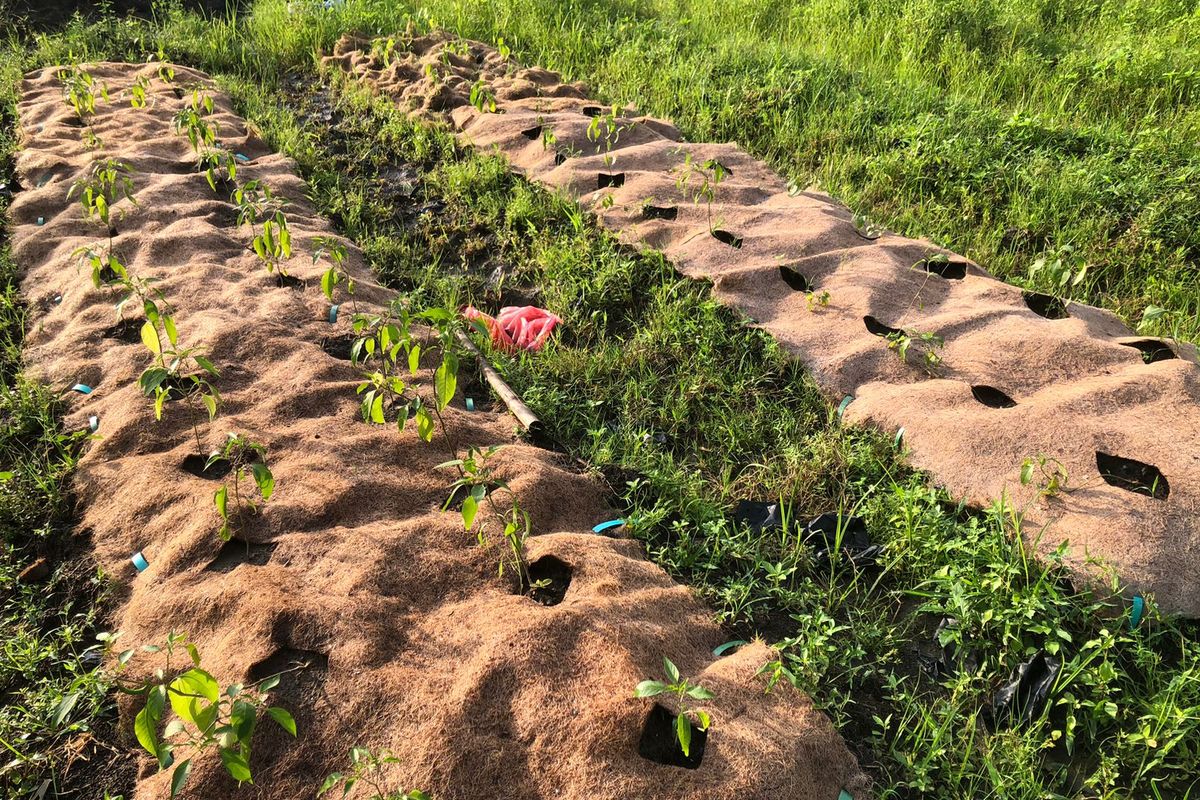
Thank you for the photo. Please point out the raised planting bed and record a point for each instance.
(317, 547)
(997, 393)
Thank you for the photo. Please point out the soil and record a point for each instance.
(408, 638)
(1079, 381)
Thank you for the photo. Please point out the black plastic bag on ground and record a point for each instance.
(1023, 698)
(821, 534)
(758, 516)
(952, 657)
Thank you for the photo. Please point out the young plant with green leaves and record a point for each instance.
(108, 182)
(334, 251)
(366, 769)
(219, 167)
(178, 372)
(924, 344)
(191, 121)
(683, 691)
(207, 717)
(605, 130)
(699, 181)
(482, 97)
(476, 487)
(262, 210)
(80, 91)
(1048, 474)
(247, 461)
(138, 97)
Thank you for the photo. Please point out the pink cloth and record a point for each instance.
(516, 327)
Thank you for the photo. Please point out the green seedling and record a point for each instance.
(177, 371)
(482, 97)
(80, 91)
(272, 241)
(166, 73)
(1062, 268)
(1049, 475)
(328, 248)
(700, 182)
(383, 50)
(191, 121)
(816, 300)
(683, 691)
(605, 130)
(366, 769)
(248, 461)
(219, 166)
(206, 716)
(925, 344)
(503, 49)
(137, 92)
(866, 228)
(92, 141)
(108, 182)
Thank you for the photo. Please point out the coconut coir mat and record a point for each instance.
(405, 636)
(1020, 375)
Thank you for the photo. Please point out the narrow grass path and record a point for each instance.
(686, 411)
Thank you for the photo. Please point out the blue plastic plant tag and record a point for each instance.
(1135, 614)
(470, 404)
(845, 795)
(93, 424)
(241, 157)
(607, 526)
(82, 388)
(139, 561)
(847, 400)
(41, 220)
(728, 647)
(333, 312)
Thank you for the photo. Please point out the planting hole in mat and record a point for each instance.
(725, 237)
(606, 179)
(194, 464)
(592, 111)
(549, 579)
(236, 552)
(128, 331)
(1045, 305)
(878, 328)
(1132, 476)
(659, 212)
(287, 281)
(532, 133)
(560, 158)
(795, 280)
(338, 346)
(301, 691)
(658, 742)
(992, 397)
(950, 270)
(1152, 350)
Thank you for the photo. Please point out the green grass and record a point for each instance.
(685, 410)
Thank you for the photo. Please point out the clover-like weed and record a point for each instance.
(366, 768)
(247, 460)
(683, 691)
(207, 716)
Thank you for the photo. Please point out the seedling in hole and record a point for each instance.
(477, 486)
(206, 716)
(364, 766)
(178, 369)
(333, 250)
(219, 166)
(190, 121)
(926, 345)
(109, 181)
(166, 73)
(606, 132)
(482, 97)
(503, 49)
(91, 140)
(816, 300)
(1061, 266)
(1048, 474)
(137, 92)
(272, 241)
(247, 459)
(865, 228)
(79, 91)
(700, 181)
(683, 690)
